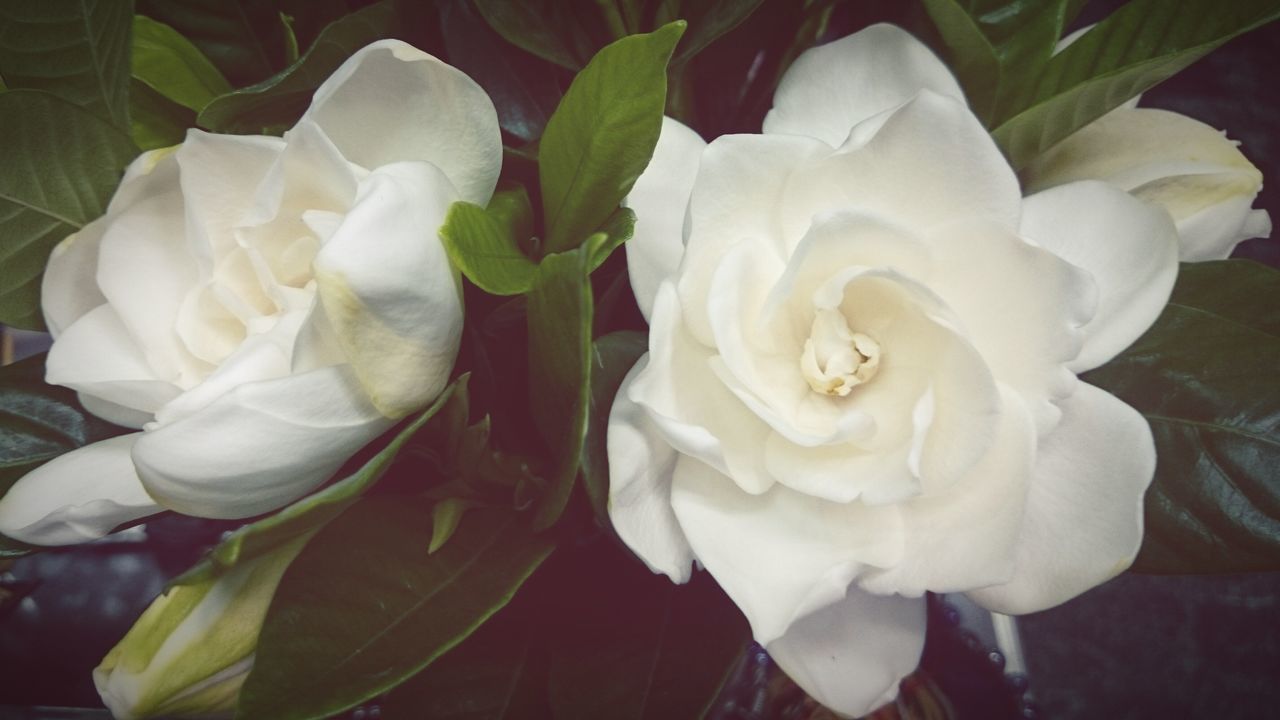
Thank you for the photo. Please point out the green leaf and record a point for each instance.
(291, 50)
(242, 38)
(1138, 46)
(635, 646)
(1205, 378)
(75, 49)
(602, 135)
(998, 48)
(260, 537)
(612, 356)
(39, 422)
(445, 517)
(281, 99)
(155, 121)
(351, 620)
(492, 675)
(524, 88)
(485, 243)
(61, 165)
(708, 20)
(169, 64)
(535, 27)
(559, 323)
(617, 229)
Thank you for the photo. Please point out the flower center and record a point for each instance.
(836, 359)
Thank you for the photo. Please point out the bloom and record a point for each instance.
(1192, 170)
(262, 307)
(861, 378)
(191, 650)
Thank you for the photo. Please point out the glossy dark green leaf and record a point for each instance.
(559, 322)
(612, 357)
(998, 48)
(169, 64)
(257, 538)
(485, 242)
(243, 38)
(635, 646)
(524, 88)
(1138, 46)
(492, 675)
(543, 27)
(61, 165)
(75, 49)
(155, 121)
(352, 619)
(1205, 378)
(708, 20)
(281, 99)
(39, 422)
(602, 135)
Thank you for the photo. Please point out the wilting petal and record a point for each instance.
(1083, 521)
(1130, 248)
(659, 199)
(389, 292)
(391, 102)
(259, 446)
(850, 655)
(641, 462)
(77, 497)
(833, 87)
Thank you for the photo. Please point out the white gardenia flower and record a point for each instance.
(1192, 170)
(261, 307)
(861, 379)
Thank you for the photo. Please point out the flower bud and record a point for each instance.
(1190, 169)
(190, 652)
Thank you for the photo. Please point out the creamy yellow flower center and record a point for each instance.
(836, 359)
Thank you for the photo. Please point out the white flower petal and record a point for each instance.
(690, 406)
(779, 555)
(388, 289)
(1023, 307)
(97, 356)
(219, 176)
(967, 535)
(641, 462)
(1130, 248)
(1214, 232)
(659, 199)
(832, 87)
(391, 102)
(927, 162)
(850, 656)
(145, 270)
(259, 446)
(113, 413)
(1181, 164)
(69, 289)
(1083, 523)
(77, 497)
(735, 198)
